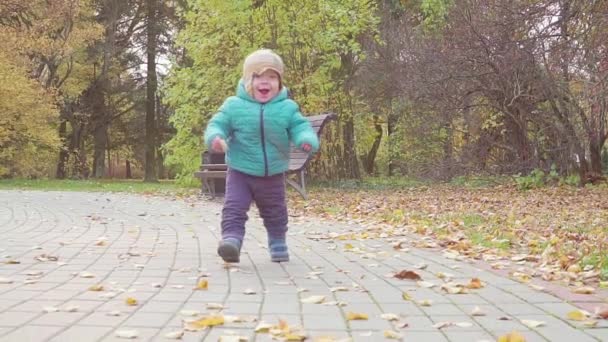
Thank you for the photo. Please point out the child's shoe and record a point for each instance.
(278, 250)
(230, 249)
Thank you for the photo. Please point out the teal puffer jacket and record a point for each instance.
(258, 135)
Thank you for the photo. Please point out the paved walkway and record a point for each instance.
(157, 251)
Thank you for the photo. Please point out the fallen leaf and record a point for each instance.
(454, 288)
(536, 287)
(475, 283)
(409, 275)
(590, 323)
(406, 296)
(249, 292)
(114, 313)
(576, 315)
(390, 316)
(532, 323)
(97, 287)
(425, 302)
(127, 334)
(202, 285)
(233, 338)
(70, 308)
(86, 275)
(263, 327)
(48, 309)
(215, 306)
(513, 336)
(393, 335)
(293, 336)
(338, 288)
(203, 323)
(354, 316)
(175, 335)
(6, 280)
(131, 301)
(12, 262)
(463, 324)
(584, 290)
(441, 325)
(602, 312)
(425, 284)
(477, 312)
(313, 300)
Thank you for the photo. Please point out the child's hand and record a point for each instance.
(306, 147)
(218, 145)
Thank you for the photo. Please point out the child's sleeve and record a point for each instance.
(218, 126)
(301, 132)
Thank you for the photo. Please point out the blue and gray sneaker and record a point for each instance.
(230, 249)
(278, 250)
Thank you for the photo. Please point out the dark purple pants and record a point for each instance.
(269, 196)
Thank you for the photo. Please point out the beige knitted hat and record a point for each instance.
(260, 61)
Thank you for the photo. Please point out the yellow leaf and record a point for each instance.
(406, 296)
(295, 337)
(131, 301)
(202, 285)
(576, 315)
(513, 336)
(263, 328)
(352, 316)
(392, 335)
(97, 287)
(207, 321)
(348, 246)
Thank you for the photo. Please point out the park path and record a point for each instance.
(158, 251)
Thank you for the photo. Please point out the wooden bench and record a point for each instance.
(298, 160)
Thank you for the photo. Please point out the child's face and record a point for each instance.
(265, 86)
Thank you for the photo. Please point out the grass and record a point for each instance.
(102, 185)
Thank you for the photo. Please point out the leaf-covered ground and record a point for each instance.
(557, 233)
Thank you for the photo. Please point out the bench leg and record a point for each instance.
(207, 186)
(300, 186)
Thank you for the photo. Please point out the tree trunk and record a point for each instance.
(371, 155)
(64, 152)
(390, 130)
(150, 148)
(351, 162)
(128, 169)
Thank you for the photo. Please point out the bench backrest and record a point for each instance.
(299, 159)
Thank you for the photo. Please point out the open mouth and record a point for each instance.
(264, 91)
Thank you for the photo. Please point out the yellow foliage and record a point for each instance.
(27, 115)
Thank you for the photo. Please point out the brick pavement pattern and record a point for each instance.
(156, 250)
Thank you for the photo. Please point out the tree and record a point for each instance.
(320, 43)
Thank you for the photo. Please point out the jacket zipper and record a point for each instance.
(263, 140)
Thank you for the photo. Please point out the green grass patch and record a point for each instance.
(103, 185)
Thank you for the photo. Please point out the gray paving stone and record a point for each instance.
(600, 334)
(324, 322)
(16, 318)
(31, 333)
(182, 238)
(148, 319)
(58, 318)
(78, 333)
